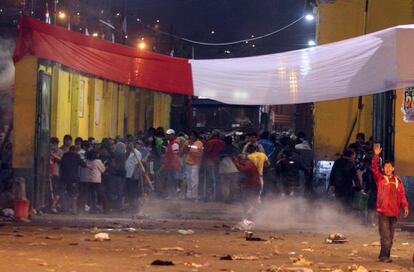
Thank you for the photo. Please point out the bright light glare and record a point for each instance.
(95, 34)
(309, 17)
(311, 43)
(142, 45)
(62, 15)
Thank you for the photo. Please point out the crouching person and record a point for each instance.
(390, 197)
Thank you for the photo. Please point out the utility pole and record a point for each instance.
(55, 2)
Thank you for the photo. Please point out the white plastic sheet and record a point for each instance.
(364, 65)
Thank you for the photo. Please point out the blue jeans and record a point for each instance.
(210, 183)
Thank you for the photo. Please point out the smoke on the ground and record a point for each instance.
(6, 65)
(300, 213)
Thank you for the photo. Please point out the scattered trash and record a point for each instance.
(73, 244)
(275, 238)
(275, 268)
(276, 251)
(301, 261)
(245, 258)
(139, 255)
(405, 244)
(308, 249)
(131, 229)
(53, 237)
(357, 268)
(172, 249)
(336, 238)
(95, 230)
(196, 265)
(375, 243)
(353, 253)
(249, 237)
(102, 236)
(245, 225)
(162, 263)
(226, 258)
(186, 232)
(8, 213)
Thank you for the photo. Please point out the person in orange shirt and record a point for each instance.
(193, 150)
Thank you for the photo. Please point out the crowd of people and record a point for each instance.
(211, 166)
(116, 174)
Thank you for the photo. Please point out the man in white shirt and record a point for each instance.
(132, 175)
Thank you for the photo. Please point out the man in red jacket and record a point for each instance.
(390, 197)
(251, 184)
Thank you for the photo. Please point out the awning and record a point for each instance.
(115, 62)
(364, 65)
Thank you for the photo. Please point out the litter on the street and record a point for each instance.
(102, 236)
(162, 263)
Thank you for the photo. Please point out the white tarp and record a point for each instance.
(364, 65)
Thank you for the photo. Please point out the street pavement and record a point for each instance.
(194, 237)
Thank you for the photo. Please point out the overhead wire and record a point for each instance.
(226, 43)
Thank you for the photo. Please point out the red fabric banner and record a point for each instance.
(100, 58)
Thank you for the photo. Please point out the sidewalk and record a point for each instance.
(153, 214)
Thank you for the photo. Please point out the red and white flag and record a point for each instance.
(363, 65)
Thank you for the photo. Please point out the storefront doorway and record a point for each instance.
(42, 136)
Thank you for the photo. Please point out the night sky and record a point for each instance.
(193, 19)
(230, 19)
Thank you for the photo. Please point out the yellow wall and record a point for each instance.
(333, 120)
(24, 112)
(141, 108)
(84, 116)
(388, 13)
(96, 109)
(341, 20)
(132, 111)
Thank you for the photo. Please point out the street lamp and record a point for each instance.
(142, 45)
(309, 17)
(62, 15)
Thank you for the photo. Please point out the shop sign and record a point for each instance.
(408, 104)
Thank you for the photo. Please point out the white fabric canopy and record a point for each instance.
(364, 65)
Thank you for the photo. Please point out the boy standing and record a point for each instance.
(390, 197)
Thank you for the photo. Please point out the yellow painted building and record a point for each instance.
(52, 100)
(333, 120)
(84, 106)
